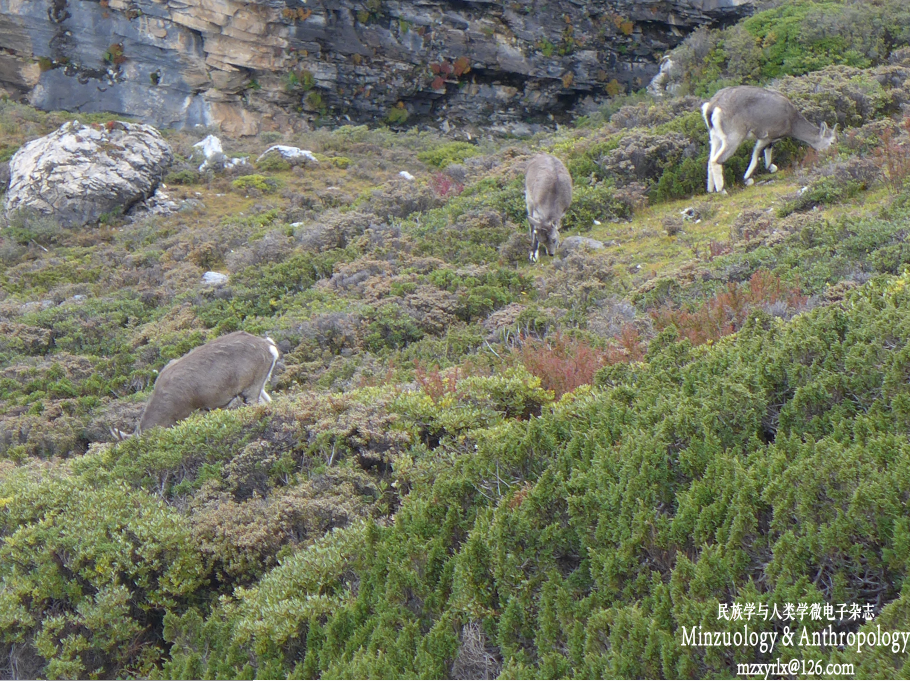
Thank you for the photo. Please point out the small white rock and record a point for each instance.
(214, 278)
(289, 153)
(406, 175)
(212, 150)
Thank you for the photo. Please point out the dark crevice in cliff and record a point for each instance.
(481, 76)
(57, 12)
(453, 103)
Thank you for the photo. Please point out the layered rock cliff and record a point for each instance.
(251, 65)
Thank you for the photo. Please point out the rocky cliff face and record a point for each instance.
(251, 65)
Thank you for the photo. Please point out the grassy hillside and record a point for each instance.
(474, 466)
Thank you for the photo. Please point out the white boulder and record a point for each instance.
(212, 151)
(213, 154)
(291, 154)
(78, 173)
(214, 278)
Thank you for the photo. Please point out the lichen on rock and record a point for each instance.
(79, 173)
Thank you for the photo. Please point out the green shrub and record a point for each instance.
(390, 328)
(826, 191)
(93, 327)
(24, 228)
(782, 32)
(480, 293)
(688, 179)
(183, 177)
(342, 162)
(7, 152)
(820, 254)
(397, 115)
(298, 80)
(585, 166)
(177, 460)
(843, 95)
(266, 185)
(590, 203)
(582, 536)
(443, 156)
(273, 163)
(794, 38)
(459, 234)
(449, 347)
(517, 394)
(88, 573)
(261, 291)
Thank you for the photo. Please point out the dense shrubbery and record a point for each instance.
(447, 154)
(621, 515)
(794, 38)
(823, 253)
(848, 96)
(88, 573)
(259, 183)
(474, 466)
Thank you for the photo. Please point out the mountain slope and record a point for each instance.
(474, 466)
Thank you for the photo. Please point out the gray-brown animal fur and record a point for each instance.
(734, 113)
(210, 377)
(548, 195)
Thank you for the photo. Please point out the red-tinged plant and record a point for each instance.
(808, 159)
(445, 69)
(562, 363)
(436, 384)
(442, 68)
(727, 311)
(444, 186)
(630, 346)
(461, 66)
(718, 248)
(766, 287)
(894, 157)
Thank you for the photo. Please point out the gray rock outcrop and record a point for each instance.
(253, 65)
(80, 172)
(292, 155)
(214, 278)
(575, 243)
